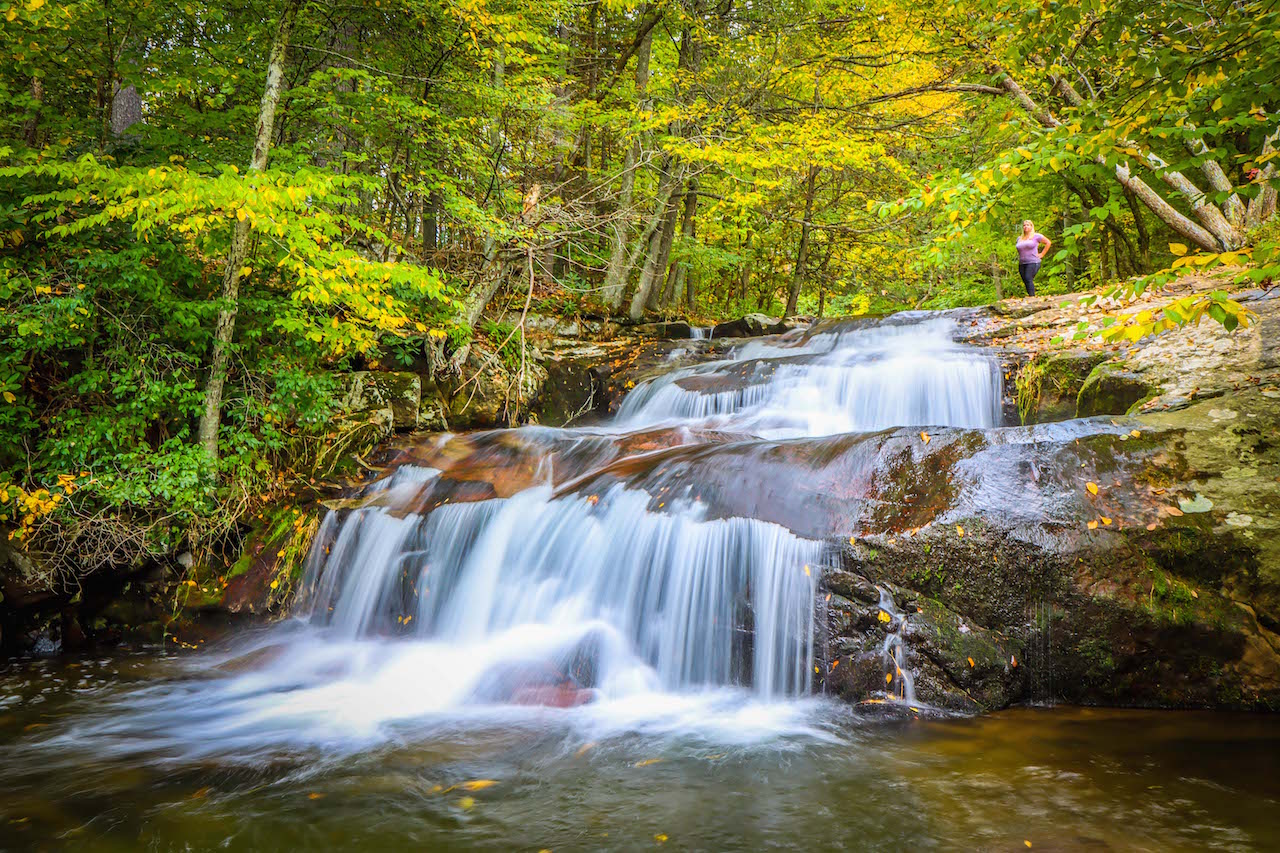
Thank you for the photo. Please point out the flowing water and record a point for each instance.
(566, 641)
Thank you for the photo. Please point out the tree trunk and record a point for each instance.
(659, 295)
(615, 279)
(684, 281)
(1180, 224)
(802, 254)
(651, 272)
(225, 329)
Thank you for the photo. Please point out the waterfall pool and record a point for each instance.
(824, 778)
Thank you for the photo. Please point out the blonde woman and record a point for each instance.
(1032, 247)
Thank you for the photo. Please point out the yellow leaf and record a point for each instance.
(959, 530)
(1092, 487)
(885, 617)
(970, 663)
(11, 14)
(924, 436)
(478, 784)
(1178, 249)
(1135, 433)
(888, 678)
(1106, 520)
(8, 397)
(275, 584)
(1217, 105)
(806, 571)
(244, 271)
(314, 795)
(660, 838)
(1093, 525)
(467, 802)
(646, 762)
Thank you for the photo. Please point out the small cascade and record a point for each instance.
(1039, 651)
(853, 380)
(899, 684)
(666, 598)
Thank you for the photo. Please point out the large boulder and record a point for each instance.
(750, 326)
(398, 393)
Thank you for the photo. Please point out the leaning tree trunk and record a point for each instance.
(802, 254)
(652, 237)
(223, 333)
(615, 279)
(1182, 225)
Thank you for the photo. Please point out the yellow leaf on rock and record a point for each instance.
(1092, 487)
(1106, 520)
(924, 436)
(660, 838)
(884, 617)
(477, 784)
(888, 678)
(467, 802)
(1093, 525)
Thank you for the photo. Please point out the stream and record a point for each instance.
(605, 637)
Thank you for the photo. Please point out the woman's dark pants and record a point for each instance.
(1028, 273)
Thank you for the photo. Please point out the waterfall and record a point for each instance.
(853, 380)
(691, 602)
(490, 576)
(899, 683)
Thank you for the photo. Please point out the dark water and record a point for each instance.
(1061, 779)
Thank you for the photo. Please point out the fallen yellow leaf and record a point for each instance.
(884, 617)
(1092, 487)
(1106, 520)
(1093, 525)
(467, 802)
(959, 530)
(646, 762)
(314, 795)
(888, 678)
(971, 663)
(924, 436)
(477, 784)
(660, 838)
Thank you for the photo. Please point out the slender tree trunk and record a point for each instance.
(615, 279)
(659, 295)
(802, 253)
(684, 281)
(1263, 206)
(31, 127)
(224, 332)
(652, 237)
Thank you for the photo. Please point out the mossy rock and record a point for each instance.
(1112, 389)
(1049, 385)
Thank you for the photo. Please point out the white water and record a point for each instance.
(838, 382)
(667, 620)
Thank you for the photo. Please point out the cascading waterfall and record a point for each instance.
(610, 593)
(428, 600)
(899, 683)
(661, 600)
(859, 380)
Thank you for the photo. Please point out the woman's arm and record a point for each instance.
(1045, 245)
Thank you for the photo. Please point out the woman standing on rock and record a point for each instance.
(1030, 254)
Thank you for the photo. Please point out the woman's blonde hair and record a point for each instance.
(1027, 222)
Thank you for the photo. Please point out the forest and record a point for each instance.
(210, 212)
